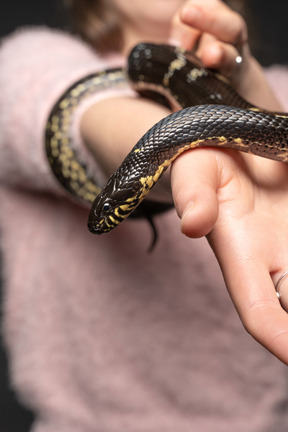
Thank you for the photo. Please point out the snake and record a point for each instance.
(208, 112)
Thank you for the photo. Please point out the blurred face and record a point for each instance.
(149, 19)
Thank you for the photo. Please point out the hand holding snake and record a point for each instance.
(219, 35)
(240, 201)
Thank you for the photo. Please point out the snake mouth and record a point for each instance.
(94, 228)
(103, 225)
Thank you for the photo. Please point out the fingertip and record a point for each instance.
(194, 181)
(212, 55)
(190, 14)
(255, 298)
(183, 34)
(221, 56)
(176, 33)
(200, 215)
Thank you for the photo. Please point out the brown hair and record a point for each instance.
(98, 22)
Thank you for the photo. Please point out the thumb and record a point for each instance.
(194, 182)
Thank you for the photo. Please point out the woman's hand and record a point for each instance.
(239, 201)
(217, 33)
(242, 207)
(220, 38)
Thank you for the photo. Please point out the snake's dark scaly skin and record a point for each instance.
(221, 118)
(66, 165)
(259, 133)
(180, 76)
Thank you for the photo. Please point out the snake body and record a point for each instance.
(64, 160)
(253, 132)
(221, 118)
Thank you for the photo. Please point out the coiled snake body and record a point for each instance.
(221, 118)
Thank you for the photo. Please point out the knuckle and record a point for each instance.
(256, 315)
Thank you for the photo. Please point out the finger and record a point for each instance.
(216, 18)
(254, 296)
(194, 181)
(183, 35)
(219, 55)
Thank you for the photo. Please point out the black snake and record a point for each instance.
(210, 113)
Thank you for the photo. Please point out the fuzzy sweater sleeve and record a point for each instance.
(37, 66)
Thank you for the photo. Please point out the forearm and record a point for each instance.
(110, 128)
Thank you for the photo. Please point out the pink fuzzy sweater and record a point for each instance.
(101, 336)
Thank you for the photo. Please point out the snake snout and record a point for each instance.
(94, 228)
(103, 216)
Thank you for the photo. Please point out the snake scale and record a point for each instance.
(209, 114)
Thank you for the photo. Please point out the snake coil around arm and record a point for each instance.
(210, 113)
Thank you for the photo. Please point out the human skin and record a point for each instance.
(241, 204)
(237, 201)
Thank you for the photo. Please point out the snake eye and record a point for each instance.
(106, 207)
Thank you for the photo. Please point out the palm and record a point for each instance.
(247, 226)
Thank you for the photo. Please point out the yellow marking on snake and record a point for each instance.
(64, 104)
(176, 64)
(130, 200)
(55, 153)
(149, 181)
(196, 73)
(54, 127)
(91, 187)
(222, 78)
(255, 109)
(54, 143)
(116, 211)
(124, 207)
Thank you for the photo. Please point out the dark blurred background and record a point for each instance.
(267, 23)
(268, 31)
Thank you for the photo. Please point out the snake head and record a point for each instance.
(111, 207)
